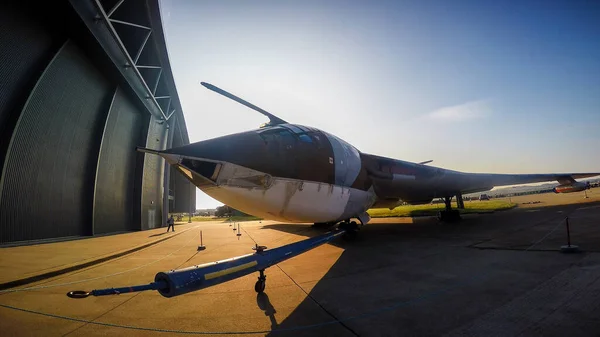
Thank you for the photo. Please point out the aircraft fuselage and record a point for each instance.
(287, 172)
(295, 173)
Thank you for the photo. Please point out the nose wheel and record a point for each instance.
(351, 228)
(260, 285)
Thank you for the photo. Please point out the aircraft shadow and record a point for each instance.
(372, 250)
(262, 300)
(418, 278)
(419, 227)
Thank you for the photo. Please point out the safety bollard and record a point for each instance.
(569, 248)
(201, 247)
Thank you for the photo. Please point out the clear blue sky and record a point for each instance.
(477, 86)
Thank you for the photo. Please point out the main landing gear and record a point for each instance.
(351, 228)
(449, 214)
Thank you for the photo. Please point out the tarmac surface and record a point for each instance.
(495, 274)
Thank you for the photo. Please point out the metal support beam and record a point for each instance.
(129, 24)
(116, 37)
(157, 81)
(112, 11)
(169, 106)
(171, 114)
(137, 56)
(167, 175)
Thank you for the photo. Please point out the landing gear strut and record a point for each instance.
(260, 285)
(449, 214)
(351, 228)
(460, 203)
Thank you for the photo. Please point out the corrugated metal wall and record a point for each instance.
(181, 189)
(68, 135)
(115, 177)
(48, 178)
(24, 54)
(152, 183)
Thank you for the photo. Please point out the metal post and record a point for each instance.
(192, 205)
(568, 233)
(167, 172)
(201, 247)
(569, 248)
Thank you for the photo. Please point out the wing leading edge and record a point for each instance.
(517, 179)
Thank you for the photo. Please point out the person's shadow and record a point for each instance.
(265, 305)
(159, 234)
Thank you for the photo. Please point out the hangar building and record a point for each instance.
(82, 83)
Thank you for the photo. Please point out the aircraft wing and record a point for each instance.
(413, 181)
(516, 179)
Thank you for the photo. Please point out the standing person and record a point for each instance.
(171, 223)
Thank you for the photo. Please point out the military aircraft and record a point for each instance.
(294, 173)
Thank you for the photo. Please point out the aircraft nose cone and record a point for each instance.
(243, 149)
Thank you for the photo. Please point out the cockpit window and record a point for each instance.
(304, 128)
(294, 128)
(305, 138)
(267, 129)
(289, 134)
(286, 135)
(277, 134)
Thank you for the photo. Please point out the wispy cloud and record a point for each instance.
(461, 112)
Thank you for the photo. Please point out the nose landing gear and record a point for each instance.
(260, 285)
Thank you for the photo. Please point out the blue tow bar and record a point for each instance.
(182, 281)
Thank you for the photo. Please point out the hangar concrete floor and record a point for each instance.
(490, 275)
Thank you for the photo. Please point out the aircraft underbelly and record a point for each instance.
(293, 200)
